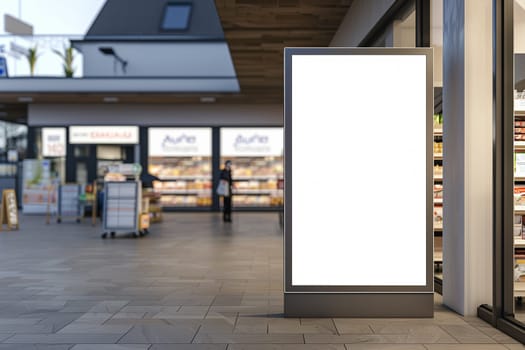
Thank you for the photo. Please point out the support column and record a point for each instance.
(467, 115)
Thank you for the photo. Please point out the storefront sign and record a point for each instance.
(103, 135)
(54, 142)
(179, 142)
(251, 142)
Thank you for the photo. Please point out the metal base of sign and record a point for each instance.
(376, 305)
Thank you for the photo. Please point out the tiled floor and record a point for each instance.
(193, 284)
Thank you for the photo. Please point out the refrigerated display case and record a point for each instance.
(181, 160)
(257, 165)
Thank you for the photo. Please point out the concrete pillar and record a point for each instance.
(467, 115)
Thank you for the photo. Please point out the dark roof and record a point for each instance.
(142, 20)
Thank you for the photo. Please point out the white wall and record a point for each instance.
(172, 59)
(359, 20)
(169, 115)
(467, 178)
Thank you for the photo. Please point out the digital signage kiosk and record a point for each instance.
(367, 113)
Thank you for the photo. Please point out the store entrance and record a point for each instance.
(90, 161)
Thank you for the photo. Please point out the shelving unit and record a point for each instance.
(183, 181)
(255, 182)
(438, 176)
(438, 190)
(519, 201)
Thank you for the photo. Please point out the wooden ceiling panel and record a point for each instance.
(257, 31)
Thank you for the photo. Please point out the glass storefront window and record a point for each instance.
(257, 165)
(436, 42)
(181, 160)
(519, 161)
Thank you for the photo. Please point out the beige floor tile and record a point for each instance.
(287, 347)
(467, 334)
(394, 328)
(301, 326)
(252, 325)
(249, 338)
(497, 335)
(111, 347)
(345, 339)
(347, 326)
(188, 347)
(465, 347)
(385, 347)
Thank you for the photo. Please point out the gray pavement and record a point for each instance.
(194, 283)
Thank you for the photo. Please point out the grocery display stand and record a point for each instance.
(122, 209)
(122, 203)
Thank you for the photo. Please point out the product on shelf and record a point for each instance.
(438, 121)
(276, 201)
(438, 217)
(519, 164)
(184, 181)
(519, 197)
(438, 191)
(438, 147)
(519, 130)
(255, 181)
(438, 170)
(180, 167)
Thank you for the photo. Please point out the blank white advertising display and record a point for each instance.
(359, 181)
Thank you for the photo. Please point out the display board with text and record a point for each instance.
(9, 211)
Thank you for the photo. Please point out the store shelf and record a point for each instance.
(185, 177)
(438, 200)
(438, 156)
(519, 243)
(438, 132)
(184, 192)
(247, 208)
(257, 192)
(519, 145)
(438, 178)
(167, 206)
(259, 177)
(438, 228)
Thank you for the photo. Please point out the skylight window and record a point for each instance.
(176, 17)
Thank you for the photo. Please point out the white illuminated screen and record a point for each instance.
(359, 170)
